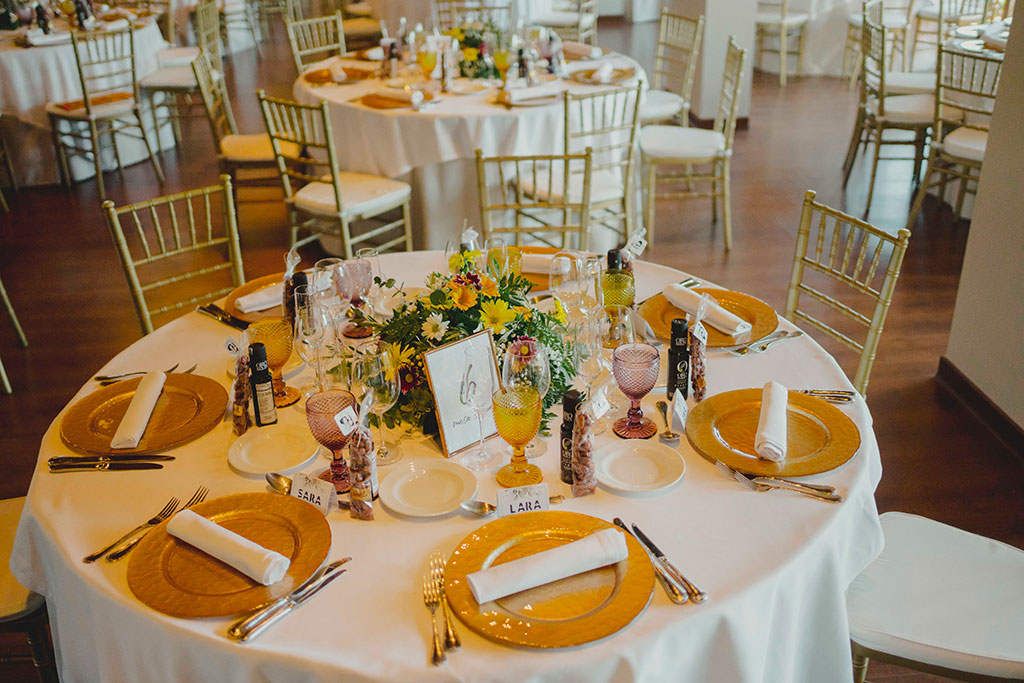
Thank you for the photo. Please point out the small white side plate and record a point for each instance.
(427, 488)
(637, 466)
(274, 448)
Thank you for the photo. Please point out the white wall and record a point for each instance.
(986, 341)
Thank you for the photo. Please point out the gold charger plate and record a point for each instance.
(586, 76)
(375, 101)
(763, 319)
(248, 288)
(820, 436)
(189, 406)
(578, 609)
(178, 579)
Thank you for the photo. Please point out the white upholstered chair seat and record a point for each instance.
(932, 14)
(565, 19)
(172, 77)
(967, 143)
(605, 186)
(775, 19)
(111, 110)
(907, 109)
(361, 194)
(255, 147)
(660, 105)
(177, 56)
(943, 597)
(672, 143)
(16, 601)
(909, 83)
(359, 9)
(890, 20)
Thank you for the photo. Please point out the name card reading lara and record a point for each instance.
(523, 499)
(315, 491)
(347, 420)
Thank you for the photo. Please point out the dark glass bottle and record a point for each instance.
(262, 385)
(679, 359)
(570, 402)
(42, 19)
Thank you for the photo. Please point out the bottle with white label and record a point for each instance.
(262, 386)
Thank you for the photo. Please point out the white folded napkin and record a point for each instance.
(133, 425)
(338, 74)
(603, 73)
(574, 50)
(116, 25)
(679, 411)
(643, 328)
(590, 552)
(252, 559)
(36, 37)
(262, 299)
(719, 318)
(413, 97)
(770, 439)
(373, 54)
(536, 263)
(534, 92)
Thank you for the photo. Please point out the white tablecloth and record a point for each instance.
(826, 37)
(776, 565)
(434, 149)
(424, 11)
(31, 77)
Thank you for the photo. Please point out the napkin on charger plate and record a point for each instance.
(719, 318)
(258, 563)
(337, 70)
(574, 50)
(136, 418)
(262, 299)
(413, 97)
(536, 263)
(770, 438)
(599, 549)
(603, 73)
(533, 92)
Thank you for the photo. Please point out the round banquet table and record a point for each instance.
(776, 565)
(425, 11)
(433, 149)
(32, 76)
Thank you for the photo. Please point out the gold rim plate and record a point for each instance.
(178, 579)
(248, 288)
(375, 101)
(820, 436)
(763, 319)
(586, 76)
(189, 406)
(576, 610)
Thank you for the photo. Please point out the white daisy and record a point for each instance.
(434, 327)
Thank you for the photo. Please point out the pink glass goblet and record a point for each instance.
(635, 367)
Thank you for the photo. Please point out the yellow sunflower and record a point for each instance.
(488, 287)
(463, 298)
(495, 315)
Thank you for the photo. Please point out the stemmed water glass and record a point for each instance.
(372, 257)
(331, 416)
(310, 328)
(497, 257)
(375, 375)
(517, 414)
(275, 333)
(526, 363)
(590, 274)
(635, 367)
(565, 281)
(478, 386)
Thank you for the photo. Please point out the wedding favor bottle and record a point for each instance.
(679, 359)
(617, 283)
(570, 402)
(262, 385)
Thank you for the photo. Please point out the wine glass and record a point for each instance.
(427, 59)
(375, 374)
(372, 257)
(309, 337)
(275, 333)
(517, 413)
(361, 273)
(588, 346)
(478, 386)
(497, 257)
(504, 54)
(590, 273)
(326, 414)
(565, 282)
(526, 363)
(635, 367)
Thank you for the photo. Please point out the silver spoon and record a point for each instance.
(773, 337)
(667, 436)
(283, 485)
(484, 509)
(764, 347)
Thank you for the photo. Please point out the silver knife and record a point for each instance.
(92, 459)
(674, 593)
(696, 594)
(254, 624)
(221, 318)
(103, 466)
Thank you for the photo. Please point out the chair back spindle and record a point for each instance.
(313, 40)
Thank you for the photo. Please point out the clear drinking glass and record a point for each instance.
(371, 256)
(309, 335)
(497, 257)
(375, 383)
(526, 363)
(635, 367)
(566, 283)
(593, 295)
(478, 387)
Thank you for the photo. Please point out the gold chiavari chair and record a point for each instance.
(109, 104)
(674, 69)
(174, 88)
(452, 13)
(774, 20)
(934, 23)
(360, 30)
(206, 21)
(240, 15)
(22, 339)
(896, 18)
(880, 111)
(572, 20)
(12, 179)
(265, 8)
(965, 97)
(831, 245)
(551, 216)
(234, 152)
(323, 199)
(314, 40)
(174, 249)
(694, 148)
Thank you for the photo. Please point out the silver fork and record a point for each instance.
(432, 599)
(106, 378)
(451, 638)
(108, 382)
(198, 497)
(744, 350)
(761, 484)
(166, 512)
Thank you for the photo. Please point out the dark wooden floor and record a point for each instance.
(59, 266)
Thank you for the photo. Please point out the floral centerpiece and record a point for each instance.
(475, 62)
(456, 305)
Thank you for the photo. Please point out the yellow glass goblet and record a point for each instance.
(275, 333)
(428, 62)
(517, 413)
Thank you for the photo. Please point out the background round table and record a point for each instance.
(776, 565)
(434, 149)
(32, 76)
(425, 11)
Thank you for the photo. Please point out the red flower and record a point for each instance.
(409, 378)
